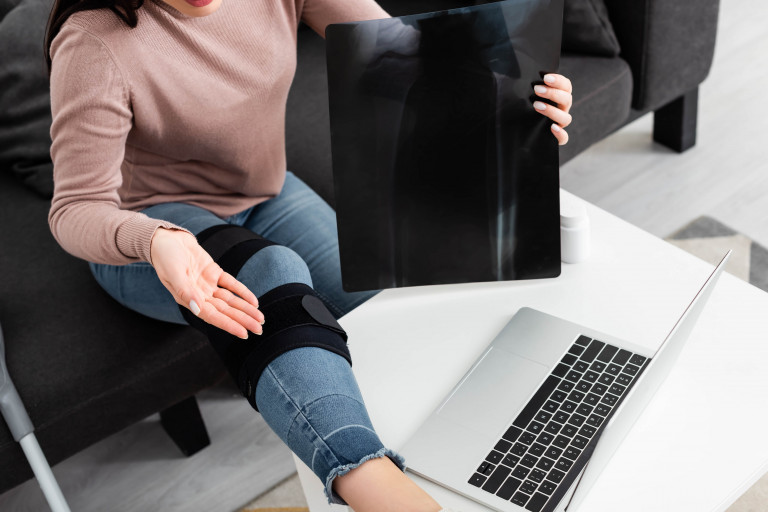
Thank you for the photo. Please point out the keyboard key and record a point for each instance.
(508, 489)
(543, 416)
(592, 399)
(564, 464)
(537, 475)
(496, 479)
(613, 369)
(598, 366)
(595, 420)
(535, 427)
(569, 430)
(545, 464)
(537, 502)
(569, 359)
(591, 376)
(529, 487)
(583, 340)
(580, 442)
(520, 472)
(584, 409)
(576, 350)
(576, 396)
(603, 409)
(555, 476)
(520, 499)
(561, 416)
(617, 389)
(573, 376)
(529, 461)
(571, 453)
(609, 399)
(561, 370)
(486, 468)
(518, 449)
(502, 446)
(561, 441)
(547, 488)
(565, 386)
(577, 420)
(581, 366)
(527, 438)
(622, 357)
(553, 427)
(568, 407)
(494, 457)
(583, 386)
(637, 360)
(511, 460)
(538, 399)
(553, 452)
(559, 396)
(599, 389)
(512, 434)
(631, 369)
(551, 406)
(606, 379)
(607, 354)
(623, 379)
(477, 480)
(587, 431)
(537, 449)
(592, 351)
(545, 438)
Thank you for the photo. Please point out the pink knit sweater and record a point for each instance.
(178, 109)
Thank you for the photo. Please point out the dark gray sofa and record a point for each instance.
(87, 368)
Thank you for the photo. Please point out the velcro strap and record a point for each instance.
(218, 240)
(295, 304)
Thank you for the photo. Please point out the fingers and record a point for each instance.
(213, 316)
(560, 134)
(558, 82)
(233, 301)
(238, 316)
(230, 283)
(563, 99)
(554, 113)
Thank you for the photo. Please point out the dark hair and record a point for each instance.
(63, 9)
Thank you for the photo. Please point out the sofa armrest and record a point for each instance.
(668, 44)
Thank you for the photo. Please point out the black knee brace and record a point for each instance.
(294, 316)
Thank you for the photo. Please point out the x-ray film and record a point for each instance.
(443, 170)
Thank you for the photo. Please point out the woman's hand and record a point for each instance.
(558, 90)
(199, 284)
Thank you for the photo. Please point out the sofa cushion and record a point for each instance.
(85, 366)
(25, 107)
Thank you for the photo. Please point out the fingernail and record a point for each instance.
(556, 128)
(244, 337)
(549, 79)
(194, 307)
(540, 89)
(538, 105)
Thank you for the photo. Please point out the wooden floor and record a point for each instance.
(725, 176)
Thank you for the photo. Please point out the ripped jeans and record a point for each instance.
(308, 396)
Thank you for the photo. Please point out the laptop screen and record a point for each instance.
(443, 170)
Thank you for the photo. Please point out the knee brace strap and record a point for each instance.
(294, 316)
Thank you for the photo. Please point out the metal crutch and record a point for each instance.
(23, 432)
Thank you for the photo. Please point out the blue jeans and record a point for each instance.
(308, 396)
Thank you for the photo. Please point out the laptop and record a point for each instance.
(541, 412)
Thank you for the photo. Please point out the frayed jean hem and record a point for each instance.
(334, 498)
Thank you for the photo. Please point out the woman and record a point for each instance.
(168, 122)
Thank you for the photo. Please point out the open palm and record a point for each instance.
(199, 284)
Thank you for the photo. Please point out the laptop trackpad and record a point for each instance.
(496, 390)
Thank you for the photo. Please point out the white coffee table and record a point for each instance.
(699, 445)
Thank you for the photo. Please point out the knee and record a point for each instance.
(271, 267)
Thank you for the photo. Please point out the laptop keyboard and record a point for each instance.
(550, 441)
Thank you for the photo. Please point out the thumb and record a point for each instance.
(192, 299)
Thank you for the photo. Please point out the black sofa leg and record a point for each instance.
(184, 424)
(674, 124)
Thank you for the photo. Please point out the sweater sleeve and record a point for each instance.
(92, 116)
(318, 14)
